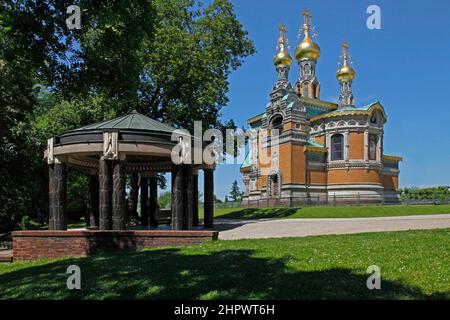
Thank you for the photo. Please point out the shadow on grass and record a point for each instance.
(252, 213)
(172, 274)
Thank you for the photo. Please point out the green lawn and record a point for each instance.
(414, 265)
(330, 212)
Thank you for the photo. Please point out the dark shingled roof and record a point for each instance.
(131, 121)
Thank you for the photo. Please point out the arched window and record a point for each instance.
(306, 89)
(373, 141)
(277, 123)
(307, 69)
(337, 147)
(373, 118)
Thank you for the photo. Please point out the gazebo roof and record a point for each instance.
(131, 121)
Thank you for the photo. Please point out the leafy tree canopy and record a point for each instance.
(169, 59)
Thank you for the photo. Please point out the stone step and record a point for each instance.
(6, 256)
(5, 245)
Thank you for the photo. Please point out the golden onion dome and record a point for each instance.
(282, 57)
(346, 72)
(307, 48)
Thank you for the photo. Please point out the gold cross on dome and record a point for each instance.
(345, 45)
(282, 28)
(307, 15)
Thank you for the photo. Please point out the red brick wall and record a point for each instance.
(29, 245)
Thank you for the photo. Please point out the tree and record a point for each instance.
(164, 199)
(169, 59)
(32, 39)
(235, 193)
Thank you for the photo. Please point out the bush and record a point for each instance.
(434, 193)
(29, 224)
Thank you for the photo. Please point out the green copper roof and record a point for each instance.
(247, 162)
(131, 121)
(256, 118)
(314, 144)
(363, 108)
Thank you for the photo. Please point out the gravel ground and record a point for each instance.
(281, 228)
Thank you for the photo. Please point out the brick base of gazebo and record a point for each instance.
(30, 245)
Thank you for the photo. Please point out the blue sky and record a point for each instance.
(405, 65)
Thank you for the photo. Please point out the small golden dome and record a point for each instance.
(346, 72)
(307, 48)
(282, 57)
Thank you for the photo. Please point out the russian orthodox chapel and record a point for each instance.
(326, 151)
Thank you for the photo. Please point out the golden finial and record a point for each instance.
(307, 49)
(306, 19)
(345, 48)
(346, 72)
(282, 57)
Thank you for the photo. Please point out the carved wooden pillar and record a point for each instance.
(94, 203)
(195, 198)
(177, 197)
(119, 205)
(188, 196)
(209, 198)
(144, 201)
(105, 194)
(57, 188)
(153, 200)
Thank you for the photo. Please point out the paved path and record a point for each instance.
(281, 228)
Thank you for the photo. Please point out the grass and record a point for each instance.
(329, 212)
(414, 265)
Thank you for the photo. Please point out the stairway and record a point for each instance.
(6, 252)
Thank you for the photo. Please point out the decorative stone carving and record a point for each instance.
(105, 194)
(50, 154)
(253, 184)
(110, 145)
(119, 209)
(275, 161)
(177, 197)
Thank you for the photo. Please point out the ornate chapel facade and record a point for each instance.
(325, 151)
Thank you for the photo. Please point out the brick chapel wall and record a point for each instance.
(320, 139)
(354, 176)
(356, 146)
(317, 177)
(297, 164)
(390, 183)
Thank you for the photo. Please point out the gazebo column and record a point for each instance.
(177, 202)
(94, 203)
(144, 201)
(195, 198)
(119, 206)
(188, 197)
(153, 200)
(208, 221)
(57, 173)
(105, 194)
